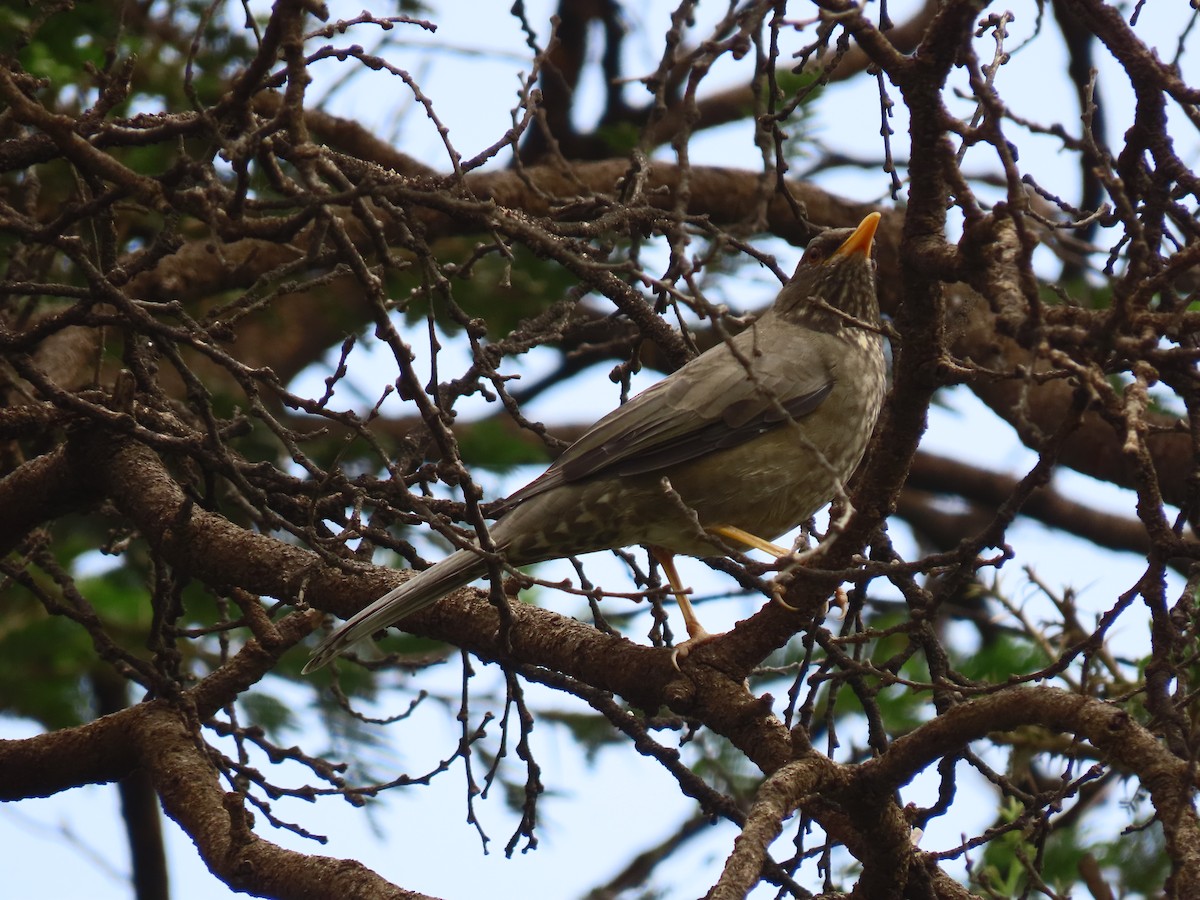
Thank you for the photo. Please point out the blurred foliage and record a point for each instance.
(44, 668)
(270, 713)
(502, 291)
(1002, 658)
(494, 444)
(1133, 864)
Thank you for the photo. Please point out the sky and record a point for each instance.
(596, 815)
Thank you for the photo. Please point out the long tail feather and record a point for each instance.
(423, 589)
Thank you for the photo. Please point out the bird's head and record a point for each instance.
(836, 271)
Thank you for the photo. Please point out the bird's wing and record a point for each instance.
(710, 404)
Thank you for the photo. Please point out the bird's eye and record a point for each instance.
(819, 249)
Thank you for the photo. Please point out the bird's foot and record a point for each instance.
(696, 637)
(777, 591)
(840, 600)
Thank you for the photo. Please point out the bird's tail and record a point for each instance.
(423, 589)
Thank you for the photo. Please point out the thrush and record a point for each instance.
(732, 450)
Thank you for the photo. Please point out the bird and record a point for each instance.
(733, 449)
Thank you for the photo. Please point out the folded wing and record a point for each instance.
(707, 405)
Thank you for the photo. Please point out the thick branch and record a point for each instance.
(777, 798)
(211, 548)
(39, 491)
(938, 474)
(220, 825)
(1035, 408)
(153, 737)
(1121, 741)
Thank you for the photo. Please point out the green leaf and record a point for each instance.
(45, 660)
(493, 444)
(269, 713)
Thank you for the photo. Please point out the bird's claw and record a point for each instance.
(681, 651)
(840, 600)
(777, 597)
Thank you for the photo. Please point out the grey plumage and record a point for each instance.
(755, 434)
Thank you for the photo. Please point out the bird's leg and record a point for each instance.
(666, 559)
(753, 540)
(696, 632)
(750, 540)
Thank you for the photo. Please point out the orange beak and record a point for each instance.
(861, 241)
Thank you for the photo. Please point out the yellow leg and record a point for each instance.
(666, 559)
(753, 540)
(750, 540)
(696, 632)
